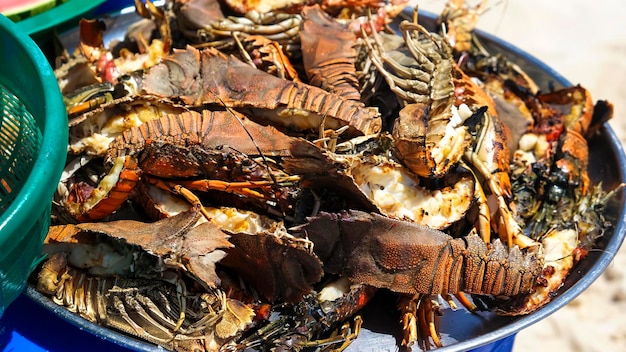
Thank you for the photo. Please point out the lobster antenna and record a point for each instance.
(267, 165)
(504, 9)
(573, 252)
(243, 51)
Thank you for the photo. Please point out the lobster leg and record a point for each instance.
(489, 157)
(242, 188)
(427, 319)
(418, 313)
(191, 197)
(466, 302)
(483, 224)
(345, 337)
(269, 56)
(408, 306)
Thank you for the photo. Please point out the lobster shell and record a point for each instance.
(210, 77)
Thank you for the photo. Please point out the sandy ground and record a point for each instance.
(584, 42)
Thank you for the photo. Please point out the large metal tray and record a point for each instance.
(460, 330)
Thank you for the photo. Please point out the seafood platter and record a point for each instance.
(238, 179)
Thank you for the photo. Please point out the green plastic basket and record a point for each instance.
(65, 15)
(33, 147)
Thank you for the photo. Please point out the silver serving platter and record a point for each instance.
(460, 330)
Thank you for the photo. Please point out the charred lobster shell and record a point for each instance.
(409, 258)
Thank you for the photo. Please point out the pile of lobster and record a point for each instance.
(249, 176)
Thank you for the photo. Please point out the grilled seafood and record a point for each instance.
(409, 258)
(280, 27)
(551, 187)
(429, 133)
(383, 185)
(134, 249)
(268, 56)
(305, 323)
(193, 15)
(329, 60)
(459, 21)
(489, 155)
(303, 187)
(448, 118)
(106, 67)
(333, 7)
(93, 131)
(158, 311)
(209, 77)
(566, 117)
(137, 151)
(88, 97)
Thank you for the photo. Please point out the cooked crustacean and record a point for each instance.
(157, 311)
(210, 77)
(555, 203)
(278, 26)
(398, 255)
(489, 156)
(128, 260)
(193, 15)
(459, 21)
(398, 189)
(328, 60)
(447, 118)
(135, 249)
(88, 77)
(305, 323)
(409, 258)
(432, 89)
(276, 265)
(266, 55)
(429, 133)
(267, 41)
(176, 148)
(382, 184)
(134, 277)
(550, 159)
(93, 131)
(108, 68)
(333, 7)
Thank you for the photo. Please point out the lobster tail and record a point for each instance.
(497, 269)
(410, 258)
